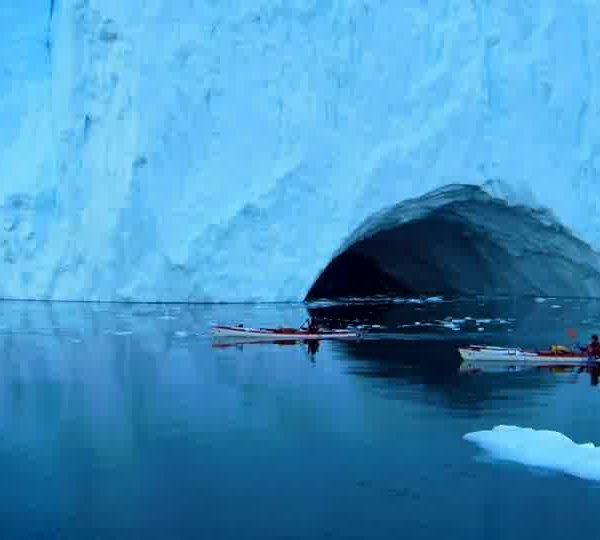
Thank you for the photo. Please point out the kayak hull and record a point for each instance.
(484, 358)
(278, 334)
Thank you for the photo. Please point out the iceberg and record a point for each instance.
(206, 151)
(540, 448)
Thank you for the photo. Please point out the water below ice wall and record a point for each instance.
(125, 421)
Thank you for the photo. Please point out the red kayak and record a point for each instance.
(486, 358)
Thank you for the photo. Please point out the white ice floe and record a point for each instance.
(540, 448)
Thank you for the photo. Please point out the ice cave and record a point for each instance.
(458, 241)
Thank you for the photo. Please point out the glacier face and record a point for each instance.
(225, 151)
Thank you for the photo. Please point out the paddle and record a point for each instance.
(572, 333)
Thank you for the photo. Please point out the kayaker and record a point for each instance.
(593, 349)
(313, 326)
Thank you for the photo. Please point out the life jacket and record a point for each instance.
(594, 349)
(313, 327)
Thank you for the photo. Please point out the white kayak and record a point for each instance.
(485, 358)
(280, 334)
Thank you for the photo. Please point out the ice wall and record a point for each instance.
(201, 150)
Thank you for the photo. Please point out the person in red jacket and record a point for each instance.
(593, 349)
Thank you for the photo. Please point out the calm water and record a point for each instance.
(126, 422)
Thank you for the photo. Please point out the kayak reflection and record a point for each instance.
(591, 366)
(312, 345)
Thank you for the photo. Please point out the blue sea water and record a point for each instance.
(129, 421)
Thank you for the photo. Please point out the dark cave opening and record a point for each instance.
(461, 241)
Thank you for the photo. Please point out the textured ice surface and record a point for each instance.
(226, 150)
(540, 448)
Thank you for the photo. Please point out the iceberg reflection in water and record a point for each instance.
(122, 421)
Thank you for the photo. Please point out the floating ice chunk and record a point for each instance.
(540, 448)
(451, 324)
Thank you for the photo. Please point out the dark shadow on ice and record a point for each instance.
(460, 240)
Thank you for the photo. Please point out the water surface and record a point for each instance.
(124, 421)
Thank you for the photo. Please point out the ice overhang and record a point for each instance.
(460, 240)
